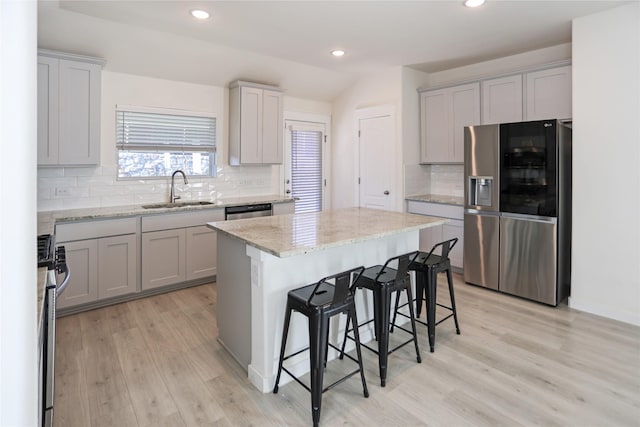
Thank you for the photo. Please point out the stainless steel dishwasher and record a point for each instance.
(248, 211)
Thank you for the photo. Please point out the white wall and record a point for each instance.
(606, 158)
(383, 88)
(98, 186)
(18, 329)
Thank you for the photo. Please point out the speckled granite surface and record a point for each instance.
(47, 221)
(289, 235)
(436, 198)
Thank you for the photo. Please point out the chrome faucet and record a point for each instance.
(172, 196)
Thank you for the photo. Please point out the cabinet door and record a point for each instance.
(434, 121)
(272, 125)
(549, 94)
(464, 111)
(201, 252)
(47, 111)
(251, 125)
(502, 100)
(117, 266)
(163, 258)
(82, 259)
(429, 237)
(283, 208)
(449, 231)
(79, 113)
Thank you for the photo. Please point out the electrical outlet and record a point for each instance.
(60, 192)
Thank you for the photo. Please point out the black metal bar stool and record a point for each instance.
(319, 302)
(384, 281)
(427, 266)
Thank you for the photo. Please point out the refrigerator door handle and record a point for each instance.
(546, 219)
(479, 212)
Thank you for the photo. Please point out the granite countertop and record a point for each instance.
(437, 198)
(296, 234)
(47, 219)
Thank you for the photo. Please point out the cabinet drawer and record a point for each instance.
(436, 209)
(82, 230)
(181, 219)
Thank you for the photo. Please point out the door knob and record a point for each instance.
(386, 192)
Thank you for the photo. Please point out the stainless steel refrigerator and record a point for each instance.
(517, 221)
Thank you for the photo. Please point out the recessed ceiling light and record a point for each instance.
(473, 3)
(337, 52)
(200, 14)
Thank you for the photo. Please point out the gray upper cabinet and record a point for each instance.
(68, 109)
(443, 115)
(502, 100)
(255, 124)
(535, 94)
(548, 94)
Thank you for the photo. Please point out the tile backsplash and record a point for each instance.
(446, 180)
(417, 179)
(69, 188)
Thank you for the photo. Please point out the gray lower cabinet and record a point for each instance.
(284, 208)
(201, 250)
(433, 235)
(100, 269)
(82, 259)
(163, 258)
(177, 247)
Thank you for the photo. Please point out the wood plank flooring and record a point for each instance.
(156, 362)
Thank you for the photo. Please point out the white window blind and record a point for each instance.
(306, 170)
(155, 144)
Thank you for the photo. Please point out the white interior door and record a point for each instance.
(377, 158)
(304, 176)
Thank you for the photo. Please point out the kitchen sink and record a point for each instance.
(176, 205)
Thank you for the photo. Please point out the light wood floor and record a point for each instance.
(156, 362)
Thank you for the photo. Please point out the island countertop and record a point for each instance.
(295, 234)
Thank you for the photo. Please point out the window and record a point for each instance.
(156, 143)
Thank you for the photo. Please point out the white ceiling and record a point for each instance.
(288, 42)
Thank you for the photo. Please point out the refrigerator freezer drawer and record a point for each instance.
(528, 259)
(481, 252)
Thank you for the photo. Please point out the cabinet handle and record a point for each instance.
(386, 192)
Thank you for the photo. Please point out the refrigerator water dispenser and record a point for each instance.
(480, 190)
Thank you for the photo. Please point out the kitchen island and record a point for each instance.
(261, 259)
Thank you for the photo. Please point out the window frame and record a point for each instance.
(166, 111)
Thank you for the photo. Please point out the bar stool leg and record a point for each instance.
(395, 312)
(346, 331)
(285, 332)
(420, 290)
(318, 326)
(431, 307)
(453, 300)
(413, 324)
(357, 339)
(384, 302)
